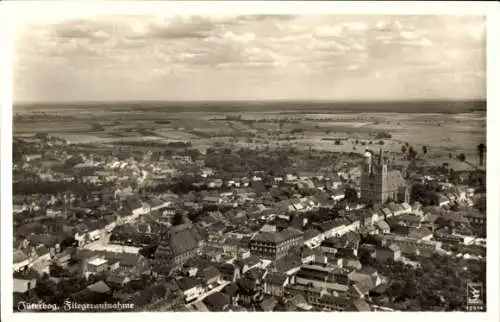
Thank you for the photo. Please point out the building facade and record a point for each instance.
(379, 184)
(275, 245)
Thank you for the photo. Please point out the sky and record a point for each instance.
(249, 57)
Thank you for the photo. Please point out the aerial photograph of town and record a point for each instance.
(249, 163)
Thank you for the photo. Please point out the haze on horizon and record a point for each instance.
(250, 57)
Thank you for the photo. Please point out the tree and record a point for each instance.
(424, 149)
(403, 148)
(178, 219)
(412, 153)
(461, 157)
(450, 155)
(45, 287)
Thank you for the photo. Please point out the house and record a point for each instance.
(275, 245)
(351, 264)
(257, 274)
(275, 283)
(380, 290)
(116, 281)
(229, 272)
(158, 204)
(330, 245)
(428, 246)
(192, 288)
(322, 299)
(322, 277)
(338, 195)
(133, 205)
(181, 244)
(416, 208)
(354, 221)
(131, 263)
(289, 264)
(248, 263)
(24, 281)
(351, 240)
(97, 265)
(81, 234)
(475, 217)
(336, 227)
(429, 221)
(386, 213)
(210, 276)
(421, 233)
(268, 304)
(94, 234)
(99, 287)
(382, 227)
(232, 290)
(392, 252)
(443, 200)
(217, 302)
(249, 291)
(361, 305)
(212, 200)
(110, 223)
(313, 237)
(21, 261)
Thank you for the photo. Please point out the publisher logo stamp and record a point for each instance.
(475, 297)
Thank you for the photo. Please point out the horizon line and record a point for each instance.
(377, 101)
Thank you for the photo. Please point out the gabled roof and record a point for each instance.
(268, 304)
(256, 273)
(386, 211)
(187, 283)
(231, 289)
(287, 263)
(209, 273)
(395, 180)
(361, 305)
(41, 251)
(382, 224)
(276, 278)
(249, 261)
(311, 233)
(351, 237)
(133, 202)
(99, 287)
(394, 247)
(227, 268)
(184, 240)
(217, 301)
(19, 256)
(247, 285)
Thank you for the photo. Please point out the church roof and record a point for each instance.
(395, 180)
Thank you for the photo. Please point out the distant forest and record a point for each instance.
(289, 107)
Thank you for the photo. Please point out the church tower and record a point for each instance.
(374, 178)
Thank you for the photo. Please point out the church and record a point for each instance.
(379, 184)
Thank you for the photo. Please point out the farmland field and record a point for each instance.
(442, 131)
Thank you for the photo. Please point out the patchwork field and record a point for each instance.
(442, 133)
